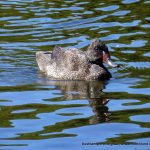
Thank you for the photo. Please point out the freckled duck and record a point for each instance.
(74, 64)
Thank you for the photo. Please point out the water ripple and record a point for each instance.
(65, 114)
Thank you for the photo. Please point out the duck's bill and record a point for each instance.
(111, 64)
(106, 59)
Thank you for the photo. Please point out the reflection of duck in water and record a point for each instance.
(74, 64)
(101, 113)
(90, 90)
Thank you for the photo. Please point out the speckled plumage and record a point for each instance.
(71, 63)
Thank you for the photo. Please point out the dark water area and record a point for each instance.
(39, 113)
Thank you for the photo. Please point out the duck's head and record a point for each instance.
(98, 53)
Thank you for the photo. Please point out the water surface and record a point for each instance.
(38, 113)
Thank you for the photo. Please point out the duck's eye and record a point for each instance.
(96, 48)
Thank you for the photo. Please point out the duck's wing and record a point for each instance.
(57, 53)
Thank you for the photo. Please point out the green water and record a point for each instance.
(39, 113)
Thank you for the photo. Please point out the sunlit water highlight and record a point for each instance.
(38, 113)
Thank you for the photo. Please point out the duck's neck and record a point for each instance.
(107, 74)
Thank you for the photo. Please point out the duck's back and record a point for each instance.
(75, 64)
(75, 59)
(63, 63)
